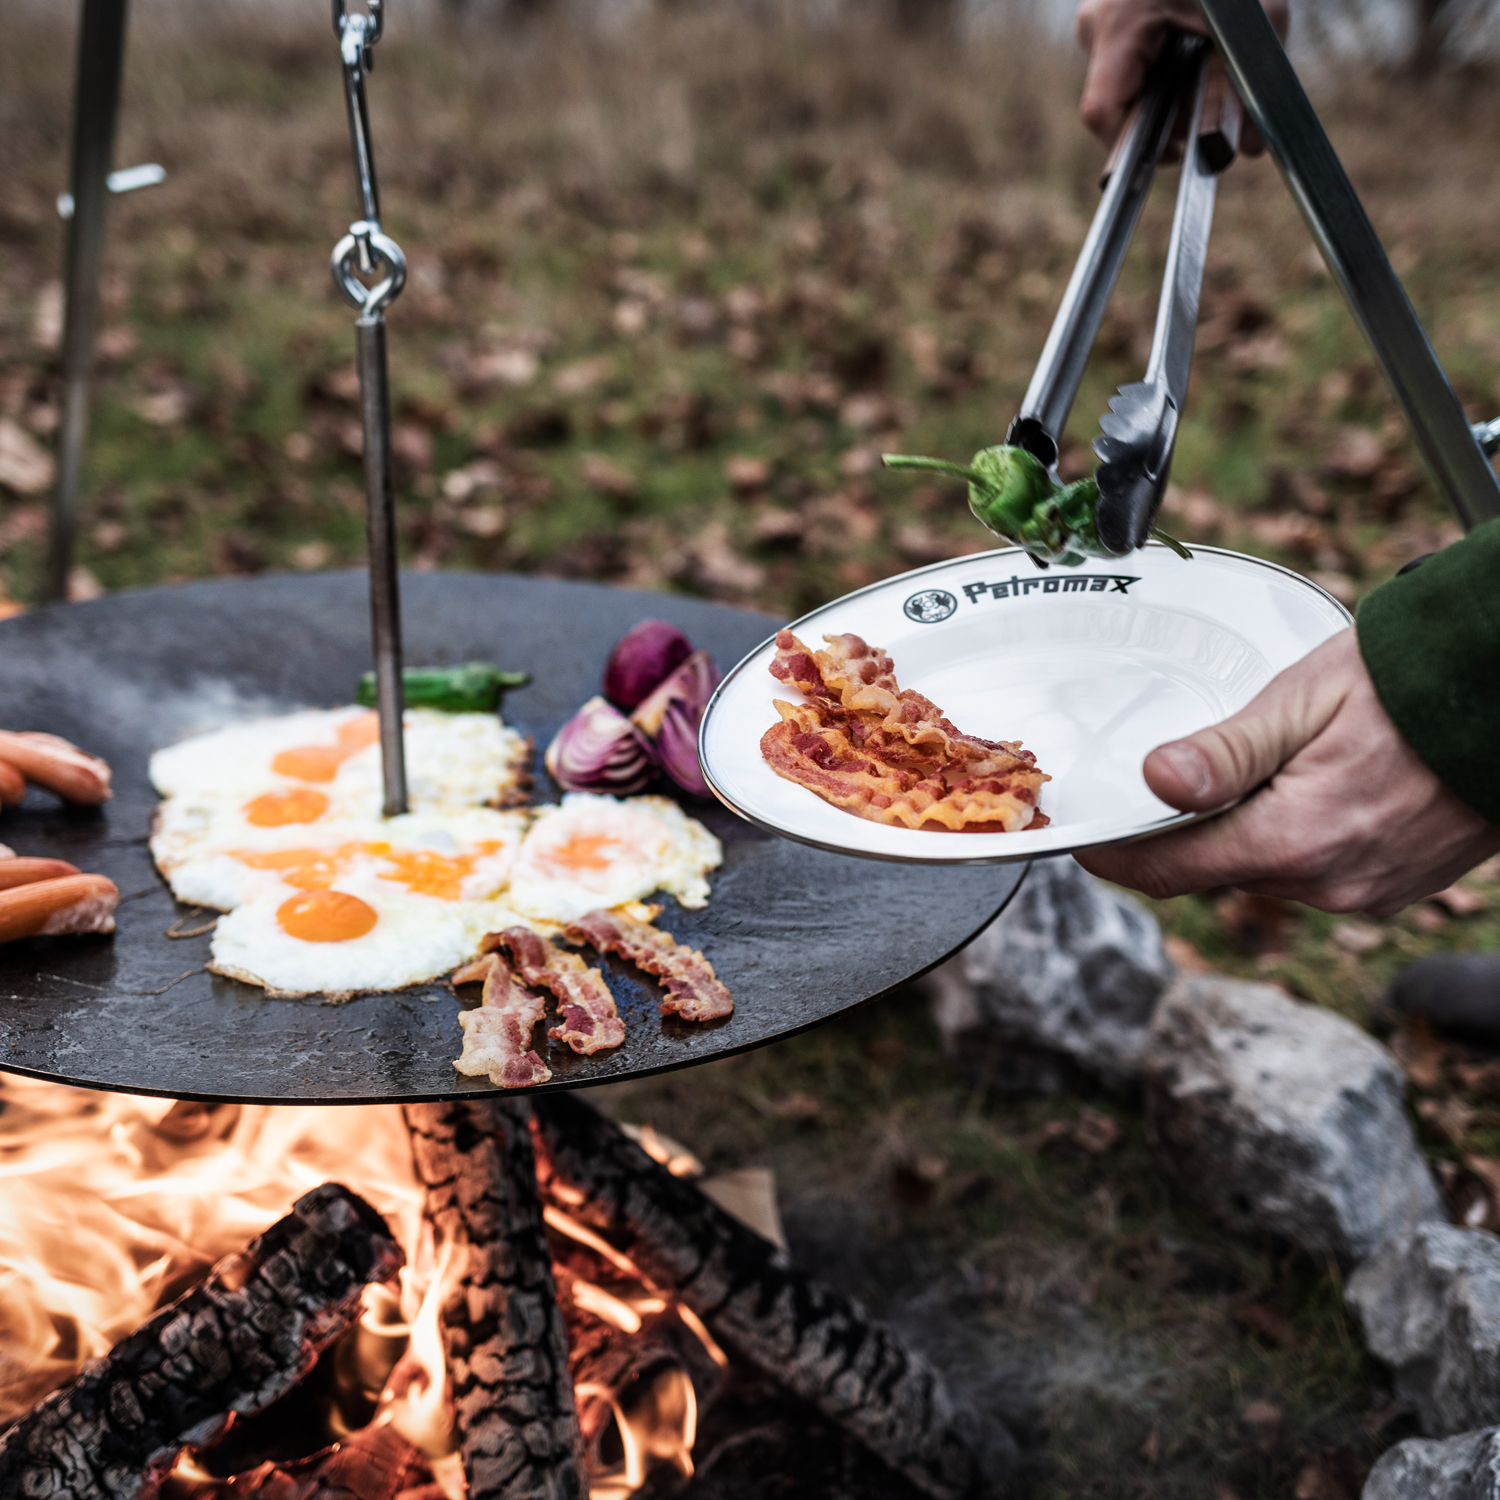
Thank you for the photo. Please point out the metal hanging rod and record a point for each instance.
(367, 252)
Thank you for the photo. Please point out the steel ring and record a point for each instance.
(369, 299)
(377, 19)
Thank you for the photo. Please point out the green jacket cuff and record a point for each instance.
(1431, 642)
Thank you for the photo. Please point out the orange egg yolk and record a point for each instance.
(322, 762)
(325, 917)
(423, 871)
(276, 809)
(358, 734)
(584, 851)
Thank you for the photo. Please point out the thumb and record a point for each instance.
(1225, 761)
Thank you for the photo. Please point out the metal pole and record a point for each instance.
(1297, 141)
(366, 251)
(385, 592)
(96, 106)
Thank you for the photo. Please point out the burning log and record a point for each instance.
(506, 1345)
(376, 1463)
(234, 1343)
(817, 1342)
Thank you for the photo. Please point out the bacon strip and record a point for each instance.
(889, 754)
(497, 1036)
(694, 991)
(588, 1021)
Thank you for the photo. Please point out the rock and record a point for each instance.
(1279, 1116)
(1430, 1305)
(1459, 1468)
(1459, 993)
(1068, 974)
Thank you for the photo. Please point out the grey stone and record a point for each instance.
(1070, 971)
(1279, 1116)
(1430, 1305)
(1458, 1468)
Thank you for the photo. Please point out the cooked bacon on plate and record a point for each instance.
(497, 1036)
(888, 754)
(588, 1021)
(694, 991)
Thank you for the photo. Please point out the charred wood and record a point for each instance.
(233, 1344)
(612, 1364)
(376, 1463)
(506, 1345)
(817, 1342)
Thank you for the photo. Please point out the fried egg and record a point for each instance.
(592, 851)
(361, 932)
(276, 823)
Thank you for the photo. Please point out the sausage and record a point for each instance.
(26, 871)
(12, 785)
(75, 903)
(58, 766)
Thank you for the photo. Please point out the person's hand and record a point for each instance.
(1340, 814)
(1123, 38)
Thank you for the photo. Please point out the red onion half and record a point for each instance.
(646, 654)
(600, 750)
(677, 747)
(692, 683)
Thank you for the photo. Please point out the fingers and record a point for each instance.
(1115, 78)
(1228, 760)
(1123, 38)
(1210, 854)
(1352, 820)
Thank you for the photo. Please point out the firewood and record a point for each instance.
(376, 1463)
(506, 1345)
(234, 1343)
(820, 1344)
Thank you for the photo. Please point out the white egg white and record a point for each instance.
(592, 851)
(545, 866)
(415, 938)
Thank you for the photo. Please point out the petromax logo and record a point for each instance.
(1057, 583)
(930, 606)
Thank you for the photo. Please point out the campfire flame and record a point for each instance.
(113, 1205)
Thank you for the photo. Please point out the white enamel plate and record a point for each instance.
(1089, 667)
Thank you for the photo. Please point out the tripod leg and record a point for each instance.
(96, 106)
(1296, 139)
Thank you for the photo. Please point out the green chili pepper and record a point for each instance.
(473, 688)
(1014, 496)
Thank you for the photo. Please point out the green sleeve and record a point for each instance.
(1431, 641)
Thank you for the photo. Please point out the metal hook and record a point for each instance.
(374, 23)
(363, 251)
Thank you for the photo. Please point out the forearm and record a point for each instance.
(1431, 643)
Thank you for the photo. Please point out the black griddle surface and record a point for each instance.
(796, 933)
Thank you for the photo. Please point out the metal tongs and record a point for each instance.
(1140, 429)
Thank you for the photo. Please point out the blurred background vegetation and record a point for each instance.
(680, 272)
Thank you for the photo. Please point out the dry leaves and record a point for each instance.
(1264, 1419)
(1358, 937)
(1093, 1131)
(1450, 1117)
(1460, 901)
(1335, 1474)
(1419, 1052)
(25, 466)
(1266, 1323)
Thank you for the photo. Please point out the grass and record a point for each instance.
(644, 256)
